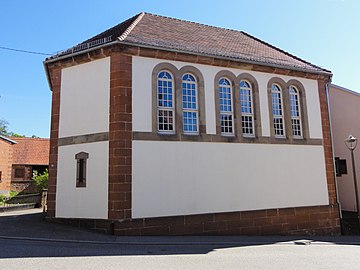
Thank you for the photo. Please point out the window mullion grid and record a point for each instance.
(295, 114)
(190, 107)
(165, 105)
(226, 110)
(247, 111)
(278, 115)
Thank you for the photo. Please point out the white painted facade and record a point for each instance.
(84, 109)
(85, 202)
(344, 113)
(181, 178)
(84, 98)
(142, 68)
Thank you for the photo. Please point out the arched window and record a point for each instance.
(165, 102)
(295, 112)
(247, 109)
(190, 104)
(277, 111)
(226, 107)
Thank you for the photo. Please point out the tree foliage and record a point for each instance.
(4, 131)
(3, 127)
(41, 180)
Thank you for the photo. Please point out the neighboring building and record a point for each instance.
(6, 145)
(20, 157)
(168, 127)
(345, 112)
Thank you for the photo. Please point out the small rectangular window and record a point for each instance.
(81, 160)
(20, 173)
(340, 166)
(0, 177)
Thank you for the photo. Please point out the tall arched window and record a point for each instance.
(277, 111)
(190, 104)
(226, 107)
(295, 112)
(165, 102)
(247, 108)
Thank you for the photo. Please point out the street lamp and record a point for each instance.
(351, 143)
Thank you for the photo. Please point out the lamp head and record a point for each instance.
(351, 142)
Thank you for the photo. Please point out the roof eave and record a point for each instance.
(8, 140)
(65, 56)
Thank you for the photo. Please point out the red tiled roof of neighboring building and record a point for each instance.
(31, 151)
(173, 34)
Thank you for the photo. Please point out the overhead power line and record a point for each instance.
(24, 51)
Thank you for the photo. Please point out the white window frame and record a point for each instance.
(190, 110)
(276, 89)
(248, 115)
(294, 93)
(168, 109)
(226, 113)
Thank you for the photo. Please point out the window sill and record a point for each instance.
(191, 134)
(163, 133)
(227, 135)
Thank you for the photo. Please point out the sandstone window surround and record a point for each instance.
(295, 125)
(188, 118)
(180, 92)
(245, 102)
(81, 169)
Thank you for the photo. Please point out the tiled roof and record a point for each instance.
(31, 151)
(173, 34)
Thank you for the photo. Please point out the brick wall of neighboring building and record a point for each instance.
(301, 220)
(5, 165)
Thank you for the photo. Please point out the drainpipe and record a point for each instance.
(332, 146)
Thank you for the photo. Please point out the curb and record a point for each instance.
(17, 207)
(188, 243)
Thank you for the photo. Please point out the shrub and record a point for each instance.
(41, 180)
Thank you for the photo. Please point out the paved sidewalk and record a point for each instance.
(30, 224)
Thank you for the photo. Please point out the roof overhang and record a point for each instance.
(122, 42)
(7, 140)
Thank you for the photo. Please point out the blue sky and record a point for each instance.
(323, 32)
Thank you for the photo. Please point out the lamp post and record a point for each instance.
(351, 143)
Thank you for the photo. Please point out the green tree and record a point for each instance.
(3, 127)
(15, 135)
(4, 131)
(41, 180)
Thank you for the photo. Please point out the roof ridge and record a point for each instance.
(131, 26)
(29, 138)
(283, 51)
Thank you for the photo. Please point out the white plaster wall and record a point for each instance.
(180, 178)
(142, 68)
(344, 114)
(84, 98)
(88, 202)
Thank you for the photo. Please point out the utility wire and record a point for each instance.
(23, 51)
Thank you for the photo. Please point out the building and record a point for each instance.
(344, 112)
(19, 158)
(168, 127)
(5, 164)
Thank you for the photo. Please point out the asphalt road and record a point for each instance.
(19, 254)
(27, 242)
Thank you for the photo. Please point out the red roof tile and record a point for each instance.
(173, 34)
(31, 151)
